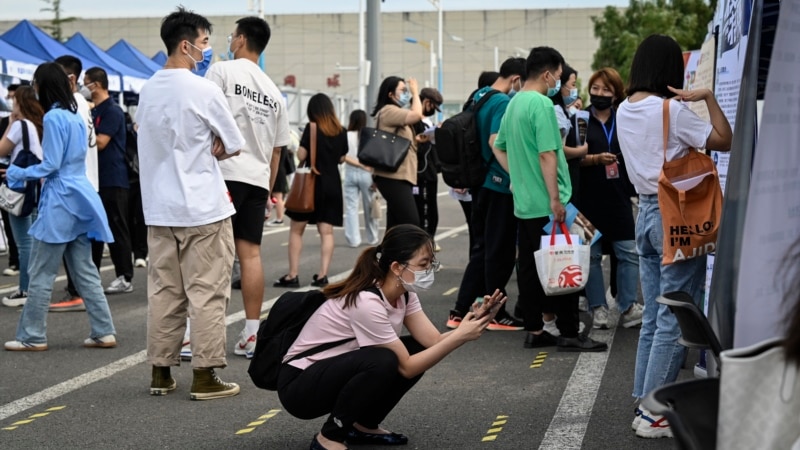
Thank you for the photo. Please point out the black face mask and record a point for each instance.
(601, 103)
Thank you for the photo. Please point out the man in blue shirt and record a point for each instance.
(109, 125)
(493, 252)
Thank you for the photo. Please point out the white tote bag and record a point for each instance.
(759, 402)
(563, 268)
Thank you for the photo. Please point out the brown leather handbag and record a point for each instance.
(690, 200)
(301, 194)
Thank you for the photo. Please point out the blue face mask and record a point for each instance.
(573, 95)
(552, 91)
(404, 100)
(202, 65)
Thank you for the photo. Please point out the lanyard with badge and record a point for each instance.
(612, 170)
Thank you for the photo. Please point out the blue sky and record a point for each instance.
(31, 9)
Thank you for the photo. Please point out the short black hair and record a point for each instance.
(658, 63)
(53, 86)
(182, 25)
(513, 66)
(257, 33)
(487, 78)
(542, 59)
(71, 64)
(99, 76)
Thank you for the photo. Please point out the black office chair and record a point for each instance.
(691, 408)
(696, 331)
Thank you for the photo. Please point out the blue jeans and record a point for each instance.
(358, 180)
(44, 264)
(20, 227)
(659, 356)
(627, 275)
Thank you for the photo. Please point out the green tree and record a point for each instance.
(55, 24)
(620, 32)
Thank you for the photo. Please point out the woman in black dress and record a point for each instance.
(328, 205)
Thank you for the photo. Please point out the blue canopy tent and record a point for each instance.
(132, 57)
(132, 80)
(30, 39)
(160, 58)
(16, 63)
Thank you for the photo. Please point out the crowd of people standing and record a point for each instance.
(208, 167)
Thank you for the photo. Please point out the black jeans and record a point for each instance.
(427, 205)
(400, 205)
(360, 386)
(13, 253)
(532, 299)
(136, 223)
(115, 202)
(493, 254)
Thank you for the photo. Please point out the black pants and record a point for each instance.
(400, 205)
(360, 386)
(532, 299)
(494, 251)
(138, 228)
(427, 205)
(13, 253)
(115, 202)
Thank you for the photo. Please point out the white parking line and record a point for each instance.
(53, 392)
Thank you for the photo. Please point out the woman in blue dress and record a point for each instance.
(70, 214)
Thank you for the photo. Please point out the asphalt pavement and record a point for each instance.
(489, 394)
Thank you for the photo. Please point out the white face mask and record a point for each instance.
(86, 93)
(423, 280)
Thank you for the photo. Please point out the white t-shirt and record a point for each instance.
(15, 135)
(372, 321)
(92, 171)
(179, 114)
(260, 112)
(641, 138)
(352, 144)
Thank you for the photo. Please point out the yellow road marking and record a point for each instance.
(492, 433)
(499, 422)
(450, 291)
(256, 423)
(245, 431)
(9, 428)
(489, 438)
(495, 430)
(36, 416)
(55, 408)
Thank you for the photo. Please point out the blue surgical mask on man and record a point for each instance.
(573, 95)
(404, 100)
(552, 91)
(202, 65)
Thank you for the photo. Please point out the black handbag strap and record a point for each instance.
(26, 141)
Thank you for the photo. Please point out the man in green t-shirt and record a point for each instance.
(528, 146)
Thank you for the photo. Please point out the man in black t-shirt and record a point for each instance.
(110, 127)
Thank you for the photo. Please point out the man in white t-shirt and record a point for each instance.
(260, 113)
(185, 127)
(72, 301)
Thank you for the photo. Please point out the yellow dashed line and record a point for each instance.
(539, 360)
(450, 291)
(32, 418)
(491, 434)
(260, 421)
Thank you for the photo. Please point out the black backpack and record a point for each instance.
(280, 329)
(459, 148)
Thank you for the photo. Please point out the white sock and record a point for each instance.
(251, 326)
(186, 333)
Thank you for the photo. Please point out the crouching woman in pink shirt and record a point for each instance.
(361, 380)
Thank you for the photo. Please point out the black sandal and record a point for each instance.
(356, 437)
(287, 282)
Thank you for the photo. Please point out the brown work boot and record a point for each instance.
(207, 386)
(162, 381)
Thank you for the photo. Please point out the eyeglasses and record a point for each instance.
(433, 267)
(230, 38)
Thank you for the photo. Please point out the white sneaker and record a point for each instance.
(17, 346)
(636, 420)
(11, 271)
(275, 223)
(600, 317)
(551, 328)
(246, 345)
(107, 341)
(632, 317)
(119, 286)
(186, 351)
(140, 262)
(16, 299)
(652, 426)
